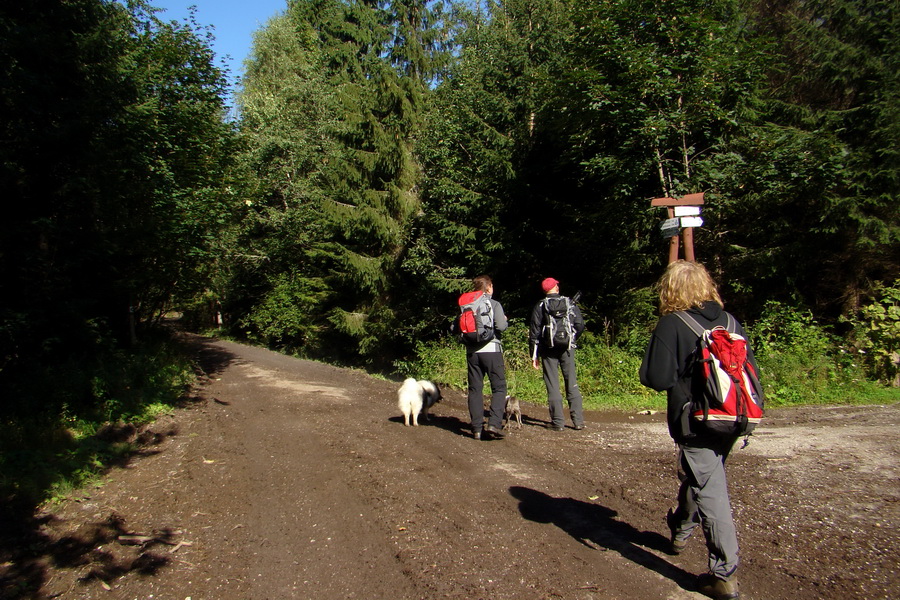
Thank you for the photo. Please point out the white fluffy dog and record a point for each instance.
(416, 397)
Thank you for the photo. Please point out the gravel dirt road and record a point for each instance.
(286, 479)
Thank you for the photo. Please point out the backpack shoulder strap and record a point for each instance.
(731, 325)
(690, 322)
(546, 303)
(490, 305)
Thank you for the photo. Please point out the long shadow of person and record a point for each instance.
(596, 526)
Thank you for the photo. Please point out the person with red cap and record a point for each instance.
(556, 323)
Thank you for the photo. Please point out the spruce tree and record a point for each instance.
(360, 189)
(372, 194)
(830, 183)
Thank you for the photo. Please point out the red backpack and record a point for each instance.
(730, 398)
(475, 325)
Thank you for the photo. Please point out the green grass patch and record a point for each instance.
(803, 363)
(607, 376)
(805, 368)
(73, 421)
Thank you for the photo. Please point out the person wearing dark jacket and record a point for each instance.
(487, 359)
(703, 495)
(551, 359)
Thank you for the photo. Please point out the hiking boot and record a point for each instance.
(476, 433)
(579, 427)
(495, 432)
(558, 427)
(676, 547)
(717, 589)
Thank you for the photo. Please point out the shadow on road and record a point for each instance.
(30, 548)
(32, 551)
(595, 526)
(450, 423)
(463, 428)
(211, 359)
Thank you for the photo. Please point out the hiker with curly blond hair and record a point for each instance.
(688, 295)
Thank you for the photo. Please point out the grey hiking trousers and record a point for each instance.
(703, 500)
(551, 362)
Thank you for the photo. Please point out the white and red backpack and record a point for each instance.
(727, 395)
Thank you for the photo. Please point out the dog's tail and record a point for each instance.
(432, 391)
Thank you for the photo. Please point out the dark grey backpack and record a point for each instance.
(559, 323)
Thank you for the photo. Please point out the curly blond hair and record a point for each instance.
(685, 285)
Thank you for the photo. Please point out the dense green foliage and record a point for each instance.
(112, 163)
(331, 108)
(534, 150)
(114, 158)
(45, 454)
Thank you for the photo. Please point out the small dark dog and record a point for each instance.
(416, 397)
(512, 410)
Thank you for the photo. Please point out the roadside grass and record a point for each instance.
(71, 422)
(68, 423)
(608, 375)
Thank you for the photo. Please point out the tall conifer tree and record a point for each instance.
(376, 60)
(829, 177)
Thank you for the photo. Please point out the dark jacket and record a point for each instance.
(666, 363)
(537, 322)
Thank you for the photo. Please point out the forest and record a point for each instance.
(379, 154)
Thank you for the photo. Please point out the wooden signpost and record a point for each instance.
(683, 215)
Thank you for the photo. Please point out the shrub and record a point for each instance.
(607, 375)
(282, 318)
(442, 361)
(876, 335)
(801, 362)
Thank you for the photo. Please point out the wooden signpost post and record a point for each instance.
(683, 215)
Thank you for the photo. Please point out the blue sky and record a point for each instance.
(234, 22)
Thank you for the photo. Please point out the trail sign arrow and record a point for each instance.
(688, 208)
(669, 224)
